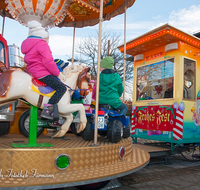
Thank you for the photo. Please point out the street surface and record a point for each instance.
(181, 174)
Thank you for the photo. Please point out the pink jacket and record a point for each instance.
(38, 58)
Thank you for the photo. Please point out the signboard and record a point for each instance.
(154, 56)
(159, 117)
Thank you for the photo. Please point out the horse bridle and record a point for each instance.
(83, 74)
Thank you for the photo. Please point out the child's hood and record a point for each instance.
(29, 43)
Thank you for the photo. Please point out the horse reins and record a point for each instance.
(75, 89)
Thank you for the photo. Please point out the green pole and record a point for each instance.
(32, 140)
(33, 126)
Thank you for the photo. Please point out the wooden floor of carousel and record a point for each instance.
(35, 167)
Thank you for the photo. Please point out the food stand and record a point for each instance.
(166, 88)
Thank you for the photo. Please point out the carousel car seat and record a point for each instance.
(105, 106)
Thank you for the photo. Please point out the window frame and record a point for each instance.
(172, 57)
(183, 82)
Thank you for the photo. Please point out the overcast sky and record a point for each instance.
(142, 17)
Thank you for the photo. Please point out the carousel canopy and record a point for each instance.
(68, 13)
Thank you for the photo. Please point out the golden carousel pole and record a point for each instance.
(108, 47)
(125, 8)
(3, 22)
(73, 45)
(98, 71)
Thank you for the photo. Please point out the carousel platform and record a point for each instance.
(154, 149)
(35, 168)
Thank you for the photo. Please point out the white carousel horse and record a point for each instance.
(18, 84)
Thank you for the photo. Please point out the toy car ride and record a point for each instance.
(111, 124)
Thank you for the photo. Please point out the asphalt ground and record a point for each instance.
(173, 173)
(180, 174)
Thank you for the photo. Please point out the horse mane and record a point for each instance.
(67, 71)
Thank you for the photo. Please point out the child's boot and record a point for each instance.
(77, 118)
(50, 111)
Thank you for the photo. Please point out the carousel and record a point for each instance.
(66, 159)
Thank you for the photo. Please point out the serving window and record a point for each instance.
(189, 84)
(155, 81)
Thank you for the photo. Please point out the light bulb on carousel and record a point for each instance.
(48, 12)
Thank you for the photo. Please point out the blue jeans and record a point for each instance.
(123, 109)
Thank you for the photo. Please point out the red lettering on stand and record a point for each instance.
(156, 55)
(155, 117)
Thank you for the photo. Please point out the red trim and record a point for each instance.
(2, 39)
(177, 134)
(179, 129)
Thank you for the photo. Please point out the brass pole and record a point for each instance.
(98, 72)
(108, 47)
(124, 51)
(73, 46)
(3, 21)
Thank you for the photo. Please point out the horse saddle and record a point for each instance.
(42, 88)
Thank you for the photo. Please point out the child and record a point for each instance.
(61, 64)
(94, 92)
(169, 91)
(111, 87)
(41, 65)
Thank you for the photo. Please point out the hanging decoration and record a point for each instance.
(47, 12)
(67, 13)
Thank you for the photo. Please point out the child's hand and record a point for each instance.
(62, 77)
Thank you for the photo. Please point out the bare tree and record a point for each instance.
(88, 49)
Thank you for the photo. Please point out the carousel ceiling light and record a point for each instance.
(70, 16)
(83, 3)
(40, 10)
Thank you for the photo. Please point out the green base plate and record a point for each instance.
(24, 145)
